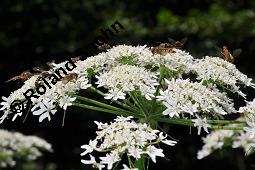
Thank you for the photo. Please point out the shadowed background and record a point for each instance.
(33, 32)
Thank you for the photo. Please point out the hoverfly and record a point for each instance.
(176, 44)
(75, 59)
(23, 76)
(161, 49)
(227, 55)
(50, 64)
(42, 74)
(69, 77)
(103, 47)
(165, 48)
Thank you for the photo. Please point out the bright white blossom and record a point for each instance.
(125, 78)
(213, 141)
(218, 139)
(183, 96)
(125, 136)
(218, 69)
(66, 101)
(46, 108)
(201, 123)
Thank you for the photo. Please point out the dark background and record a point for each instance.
(33, 32)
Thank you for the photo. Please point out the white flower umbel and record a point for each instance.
(213, 141)
(219, 139)
(183, 96)
(244, 140)
(125, 78)
(178, 60)
(220, 70)
(15, 147)
(124, 137)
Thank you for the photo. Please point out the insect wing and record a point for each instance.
(237, 52)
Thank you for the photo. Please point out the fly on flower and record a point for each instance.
(69, 77)
(224, 52)
(176, 44)
(42, 74)
(104, 46)
(162, 49)
(75, 59)
(22, 77)
(165, 48)
(50, 64)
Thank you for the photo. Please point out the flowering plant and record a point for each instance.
(145, 88)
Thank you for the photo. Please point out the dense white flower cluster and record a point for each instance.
(124, 136)
(126, 78)
(220, 70)
(235, 139)
(183, 96)
(214, 141)
(112, 72)
(16, 146)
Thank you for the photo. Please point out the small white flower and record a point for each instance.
(110, 159)
(66, 101)
(152, 151)
(84, 82)
(115, 94)
(101, 125)
(46, 107)
(166, 141)
(89, 148)
(6, 102)
(93, 162)
(4, 116)
(201, 123)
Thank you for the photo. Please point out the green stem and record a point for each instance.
(102, 104)
(64, 117)
(140, 163)
(226, 127)
(105, 110)
(190, 123)
(134, 98)
(117, 102)
(226, 122)
(130, 162)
